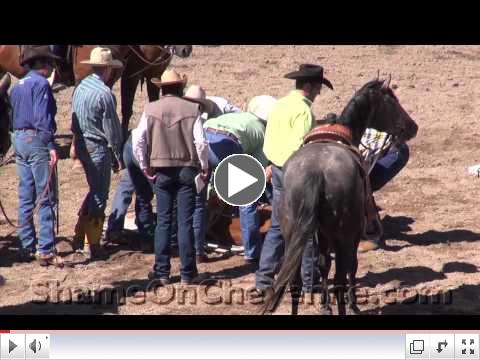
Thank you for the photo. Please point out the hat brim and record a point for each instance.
(114, 63)
(158, 82)
(36, 57)
(206, 103)
(295, 75)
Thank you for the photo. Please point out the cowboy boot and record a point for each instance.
(93, 235)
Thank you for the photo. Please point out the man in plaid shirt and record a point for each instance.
(385, 160)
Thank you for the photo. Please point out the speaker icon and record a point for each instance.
(35, 346)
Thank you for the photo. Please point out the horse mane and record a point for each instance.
(355, 113)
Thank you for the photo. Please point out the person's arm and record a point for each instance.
(139, 143)
(45, 110)
(201, 144)
(111, 125)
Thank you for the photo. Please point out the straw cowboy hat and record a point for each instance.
(170, 77)
(35, 52)
(197, 94)
(261, 106)
(311, 72)
(102, 57)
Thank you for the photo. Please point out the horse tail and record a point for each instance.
(305, 215)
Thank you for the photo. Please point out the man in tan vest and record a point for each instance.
(171, 150)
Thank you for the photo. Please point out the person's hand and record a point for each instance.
(268, 173)
(53, 158)
(149, 174)
(205, 174)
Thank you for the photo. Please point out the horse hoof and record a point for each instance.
(325, 310)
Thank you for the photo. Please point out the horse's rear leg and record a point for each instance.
(296, 291)
(128, 89)
(352, 283)
(340, 280)
(325, 263)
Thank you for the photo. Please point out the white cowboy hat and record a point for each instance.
(170, 77)
(102, 57)
(261, 106)
(197, 94)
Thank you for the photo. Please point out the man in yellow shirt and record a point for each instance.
(289, 121)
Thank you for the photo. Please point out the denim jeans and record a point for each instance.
(133, 181)
(274, 246)
(97, 162)
(32, 158)
(175, 183)
(389, 166)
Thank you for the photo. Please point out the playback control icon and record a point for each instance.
(35, 346)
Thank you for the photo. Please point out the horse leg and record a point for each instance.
(352, 283)
(340, 279)
(296, 290)
(153, 91)
(128, 88)
(325, 262)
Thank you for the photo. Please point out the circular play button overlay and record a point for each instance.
(239, 180)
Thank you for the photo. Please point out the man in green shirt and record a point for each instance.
(242, 133)
(289, 121)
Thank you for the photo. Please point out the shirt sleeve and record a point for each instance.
(201, 144)
(111, 124)
(139, 143)
(45, 110)
(301, 125)
(230, 108)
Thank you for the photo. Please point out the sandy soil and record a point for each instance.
(431, 260)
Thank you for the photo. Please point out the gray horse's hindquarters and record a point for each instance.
(341, 190)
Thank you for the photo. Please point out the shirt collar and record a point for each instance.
(298, 93)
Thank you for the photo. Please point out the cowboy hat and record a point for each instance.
(261, 106)
(197, 94)
(100, 56)
(35, 52)
(170, 77)
(310, 72)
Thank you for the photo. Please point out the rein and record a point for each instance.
(52, 172)
(161, 60)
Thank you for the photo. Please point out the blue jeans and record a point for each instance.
(133, 181)
(97, 162)
(32, 158)
(274, 245)
(389, 166)
(175, 183)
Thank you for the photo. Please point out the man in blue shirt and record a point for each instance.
(33, 117)
(98, 137)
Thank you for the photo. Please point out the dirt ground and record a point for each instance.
(430, 264)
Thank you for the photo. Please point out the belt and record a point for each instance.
(27, 130)
(223, 132)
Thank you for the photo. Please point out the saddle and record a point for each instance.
(341, 136)
(329, 132)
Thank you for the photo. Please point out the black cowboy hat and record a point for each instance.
(34, 52)
(310, 72)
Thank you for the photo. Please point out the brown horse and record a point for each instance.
(4, 115)
(142, 62)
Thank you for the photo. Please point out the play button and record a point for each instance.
(239, 180)
(11, 346)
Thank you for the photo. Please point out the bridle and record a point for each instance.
(164, 58)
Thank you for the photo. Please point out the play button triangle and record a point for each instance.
(11, 346)
(238, 180)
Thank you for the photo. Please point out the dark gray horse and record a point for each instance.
(4, 115)
(324, 197)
